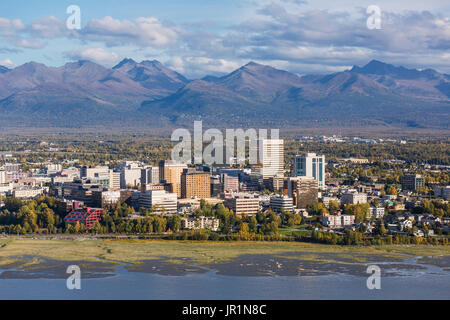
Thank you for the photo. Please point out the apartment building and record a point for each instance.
(377, 212)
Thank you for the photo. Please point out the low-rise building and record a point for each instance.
(109, 198)
(2, 176)
(442, 192)
(353, 198)
(281, 203)
(86, 216)
(326, 201)
(159, 201)
(338, 220)
(193, 223)
(81, 190)
(27, 192)
(377, 212)
(242, 204)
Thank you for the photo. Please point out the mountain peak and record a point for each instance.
(31, 66)
(379, 68)
(124, 62)
(255, 66)
(152, 63)
(374, 67)
(86, 63)
(375, 62)
(252, 64)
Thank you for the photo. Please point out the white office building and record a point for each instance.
(130, 174)
(94, 172)
(53, 168)
(160, 200)
(271, 158)
(150, 175)
(114, 179)
(281, 203)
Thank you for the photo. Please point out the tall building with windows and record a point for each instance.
(195, 184)
(310, 165)
(271, 158)
(303, 190)
(412, 182)
(242, 204)
(130, 174)
(281, 203)
(94, 172)
(150, 175)
(170, 173)
(114, 179)
(158, 200)
(230, 183)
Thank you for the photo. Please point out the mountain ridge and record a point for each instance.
(147, 93)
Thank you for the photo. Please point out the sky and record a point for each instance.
(209, 37)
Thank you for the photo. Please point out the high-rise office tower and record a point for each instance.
(303, 190)
(114, 179)
(310, 165)
(412, 182)
(150, 175)
(195, 184)
(170, 172)
(271, 158)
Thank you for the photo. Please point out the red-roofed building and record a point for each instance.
(86, 216)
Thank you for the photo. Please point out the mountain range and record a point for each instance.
(148, 94)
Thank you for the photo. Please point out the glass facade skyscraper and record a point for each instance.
(310, 165)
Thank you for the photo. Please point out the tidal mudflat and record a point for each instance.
(34, 258)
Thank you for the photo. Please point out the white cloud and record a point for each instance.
(8, 24)
(97, 55)
(7, 63)
(297, 35)
(142, 32)
(49, 27)
(197, 67)
(24, 43)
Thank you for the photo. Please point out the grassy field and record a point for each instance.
(135, 251)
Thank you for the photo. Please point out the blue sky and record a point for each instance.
(200, 37)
